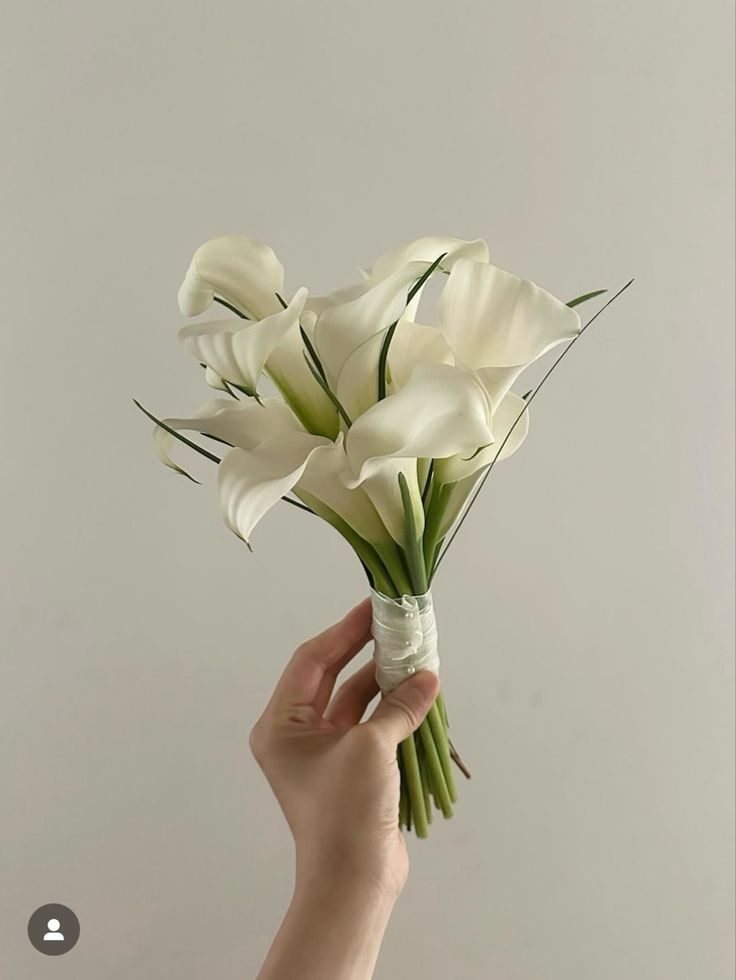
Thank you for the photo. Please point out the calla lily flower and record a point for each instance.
(240, 270)
(343, 328)
(237, 350)
(498, 324)
(510, 425)
(276, 455)
(504, 427)
(426, 250)
(251, 482)
(441, 411)
(248, 276)
(383, 426)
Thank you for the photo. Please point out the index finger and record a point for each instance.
(310, 674)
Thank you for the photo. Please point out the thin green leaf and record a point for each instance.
(383, 355)
(312, 353)
(178, 435)
(585, 297)
(307, 343)
(297, 503)
(527, 403)
(328, 391)
(229, 306)
(413, 548)
(428, 484)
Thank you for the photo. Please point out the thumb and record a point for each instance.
(401, 711)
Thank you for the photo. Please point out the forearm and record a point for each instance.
(333, 930)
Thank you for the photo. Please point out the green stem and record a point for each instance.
(435, 768)
(443, 749)
(391, 558)
(435, 512)
(414, 785)
(443, 710)
(424, 774)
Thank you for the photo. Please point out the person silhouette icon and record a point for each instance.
(53, 925)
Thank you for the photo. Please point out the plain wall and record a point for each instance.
(585, 611)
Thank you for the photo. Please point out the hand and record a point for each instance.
(337, 781)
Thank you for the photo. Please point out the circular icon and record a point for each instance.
(53, 929)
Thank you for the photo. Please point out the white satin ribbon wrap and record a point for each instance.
(405, 634)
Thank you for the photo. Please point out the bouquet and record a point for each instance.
(380, 423)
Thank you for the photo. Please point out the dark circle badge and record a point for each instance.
(53, 929)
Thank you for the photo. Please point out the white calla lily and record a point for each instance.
(323, 482)
(237, 350)
(240, 270)
(498, 323)
(414, 344)
(343, 328)
(214, 380)
(381, 485)
(509, 426)
(243, 424)
(238, 423)
(287, 367)
(442, 410)
(252, 481)
(427, 249)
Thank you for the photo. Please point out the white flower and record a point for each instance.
(237, 350)
(273, 454)
(248, 276)
(441, 411)
(498, 323)
(240, 270)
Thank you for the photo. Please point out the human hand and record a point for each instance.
(337, 779)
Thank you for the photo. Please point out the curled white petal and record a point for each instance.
(323, 483)
(500, 323)
(288, 368)
(240, 270)
(237, 350)
(381, 484)
(244, 423)
(414, 344)
(428, 249)
(214, 380)
(509, 425)
(341, 329)
(252, 481)
(442, 410)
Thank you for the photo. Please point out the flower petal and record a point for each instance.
(427, 249)
(443, 410)
(244, 423)
(237, 350)
(341, 329)
(467, 474)
(494, 319)
(322, 483)
(242, 271)
(288, 369)
(413, 344)
(504, 424)
(251, 482)
(382, 487)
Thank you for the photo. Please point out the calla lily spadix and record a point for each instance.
(386, 417)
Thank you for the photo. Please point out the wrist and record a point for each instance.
(358, 883)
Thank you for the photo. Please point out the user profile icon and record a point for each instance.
(53, 929)
(53, 935)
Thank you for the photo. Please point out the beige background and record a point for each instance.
(585, 613)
